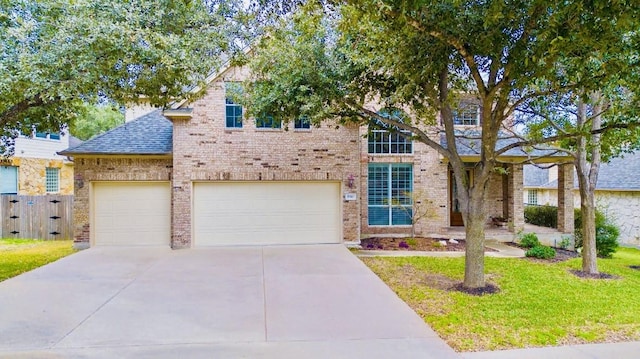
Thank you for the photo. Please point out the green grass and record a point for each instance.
(540, 304)
(22, 255)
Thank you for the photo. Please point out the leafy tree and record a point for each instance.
(350, 58)
(55, 55)
(93, 120)
(596, 126)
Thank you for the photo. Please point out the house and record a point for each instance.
(617, 192)
(203, 173)
(36, 168)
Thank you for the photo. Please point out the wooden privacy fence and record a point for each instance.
(38, 217)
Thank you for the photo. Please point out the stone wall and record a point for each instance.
(622, 206)
(32, 177)
(205, 150)
(93, 169)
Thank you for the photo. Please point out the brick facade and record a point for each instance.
(205, 150)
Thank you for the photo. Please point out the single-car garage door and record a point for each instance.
(240, 213)
(131, 213)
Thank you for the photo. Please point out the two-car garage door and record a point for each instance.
(245, 213)
(223, 213)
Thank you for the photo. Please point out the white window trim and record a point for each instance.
(389, 180)
(389, 144)
(46, 179)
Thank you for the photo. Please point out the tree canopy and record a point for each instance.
(55, 55)
(92, 120)
(348, 59)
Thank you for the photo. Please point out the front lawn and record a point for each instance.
(539, 304)
(22, 255)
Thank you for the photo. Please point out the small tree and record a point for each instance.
(419, 209)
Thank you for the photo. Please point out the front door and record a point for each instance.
(455, 212)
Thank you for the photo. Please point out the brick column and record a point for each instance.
(515, 204)
(565, 198)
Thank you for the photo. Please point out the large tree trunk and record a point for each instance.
(588, 208)
(474, 222)
(587, 172)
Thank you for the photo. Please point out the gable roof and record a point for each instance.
(621, 173)
(151, 134)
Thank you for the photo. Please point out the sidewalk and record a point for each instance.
(628, 350)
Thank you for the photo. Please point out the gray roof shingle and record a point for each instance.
(471, 147)
(621, 173)
(151, 134)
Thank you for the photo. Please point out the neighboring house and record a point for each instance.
(36, 168)
(203, 173)
(617, 192)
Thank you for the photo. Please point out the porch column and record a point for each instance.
(515, 204)
(565, 198)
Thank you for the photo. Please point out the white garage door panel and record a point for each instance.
(237, 213)
(129, 213)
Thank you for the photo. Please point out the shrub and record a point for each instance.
(565, 242)
(545, 216)
(607, 234)
(542, 252)
(529, 240)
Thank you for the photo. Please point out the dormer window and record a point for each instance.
(467, 115)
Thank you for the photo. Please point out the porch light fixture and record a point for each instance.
(350, 181)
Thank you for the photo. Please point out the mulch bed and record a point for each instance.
(442, 282)
(488, 289)
(416, 244)
(581, 274)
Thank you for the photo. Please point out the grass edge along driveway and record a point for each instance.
(22, 255)
(539, 303)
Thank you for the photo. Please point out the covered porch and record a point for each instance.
(505, 205)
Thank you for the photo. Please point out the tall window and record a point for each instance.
(389, 194)
(9, 180)
(533, 196)
(467, 115)
(233, 109)
(52, 180)
(268, 122)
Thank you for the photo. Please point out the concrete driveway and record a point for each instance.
(238, 302)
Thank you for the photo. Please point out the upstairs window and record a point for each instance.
(233, 118)
(47, 135)
(52, 180)
(302, 123)
(467, 115)
(268, 122)
(383, 139)
(385, 142)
